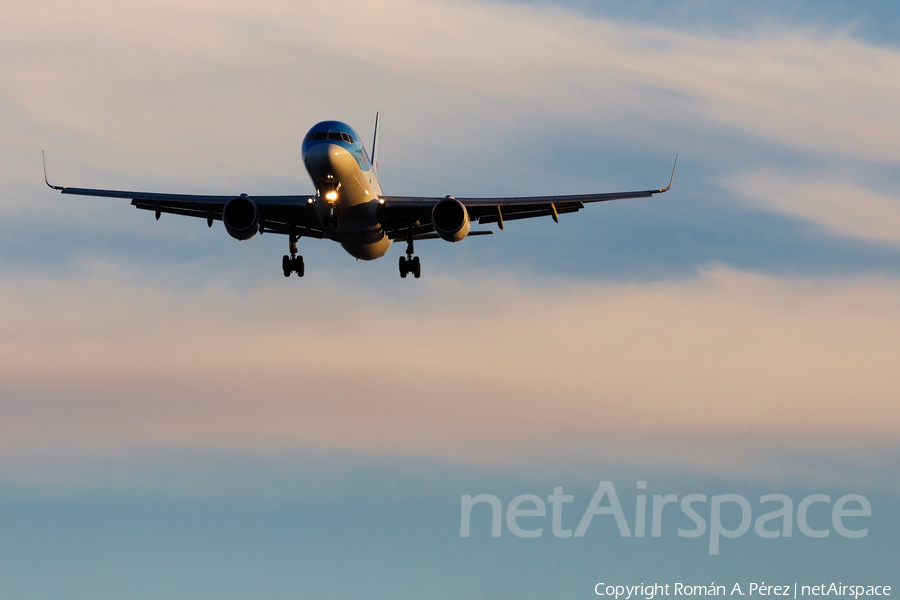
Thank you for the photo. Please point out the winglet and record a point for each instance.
(55, 187)
(672, 178)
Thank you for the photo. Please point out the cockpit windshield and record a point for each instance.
(330, 135)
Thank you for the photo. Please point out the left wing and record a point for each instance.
(402, 213)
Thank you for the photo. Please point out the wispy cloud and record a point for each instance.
(189, 93)
(841, 206)
(210, 94)
(484, 372)
(822, 92)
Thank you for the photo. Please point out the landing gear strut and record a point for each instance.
(410, 263)
(293, 263)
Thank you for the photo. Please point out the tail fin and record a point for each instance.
(375, 146)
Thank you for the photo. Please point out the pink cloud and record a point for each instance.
(481, 371)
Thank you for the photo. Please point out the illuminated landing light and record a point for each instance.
(332, 196)
(310, 201)
(381, 201)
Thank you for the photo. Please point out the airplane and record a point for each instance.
(350, 208)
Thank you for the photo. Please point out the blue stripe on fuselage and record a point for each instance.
(356, 149)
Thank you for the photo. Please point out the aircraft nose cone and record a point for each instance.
(322, 160)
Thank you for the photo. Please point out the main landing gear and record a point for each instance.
(293, 263)
(410, 263)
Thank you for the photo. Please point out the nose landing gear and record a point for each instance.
(334, 217)
(293, 263)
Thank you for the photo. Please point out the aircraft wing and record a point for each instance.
(400, 213)
(278, 214)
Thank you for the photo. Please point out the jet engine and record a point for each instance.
(241, 218)
(450, 219)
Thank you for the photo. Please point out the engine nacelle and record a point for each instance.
(450, 219)
(241, 218)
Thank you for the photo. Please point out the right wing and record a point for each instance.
(278, 214)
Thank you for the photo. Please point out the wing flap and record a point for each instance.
(301, 227)
(529, 212)
(421, 202)
(178, 210)
(434, 236)
(279, 214)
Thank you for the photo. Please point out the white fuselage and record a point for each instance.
(347, 189)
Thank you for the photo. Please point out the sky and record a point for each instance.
(179, 420)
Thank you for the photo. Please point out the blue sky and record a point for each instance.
(178, 420)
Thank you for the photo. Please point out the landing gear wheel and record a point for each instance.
(416, 267)
(293, 264)
(403, 269)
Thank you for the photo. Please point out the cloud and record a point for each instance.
(204, 79)
(485, 370)
(214, 96)
(841, 206)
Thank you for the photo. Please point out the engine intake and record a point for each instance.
(241, 218)
(450, 219)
